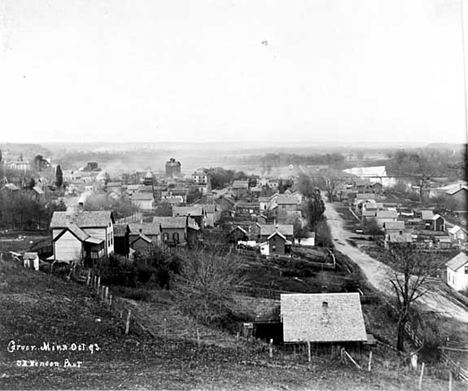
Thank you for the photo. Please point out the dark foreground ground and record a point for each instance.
(36, 309)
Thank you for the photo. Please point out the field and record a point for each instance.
(161, 350)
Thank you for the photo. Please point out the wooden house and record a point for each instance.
(143, 200)
(195, 212)
(83, 235)
(265, 231)
(457, 272)
(460, 196)
(458, 236)
(386, 216)
(322, 318)
(144, 235)
(276, 244)
(286, 203)
(394, 227)
(177, 231)
(238, 234)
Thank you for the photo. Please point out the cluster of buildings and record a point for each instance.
(263, 222)
(421, 227)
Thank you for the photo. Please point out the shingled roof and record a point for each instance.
(322, 317)
(285, 229)
(287, 199)
(457, 262)
(144, 228)
(187, 211)
(83, 219)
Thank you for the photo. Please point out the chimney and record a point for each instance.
(325, 305)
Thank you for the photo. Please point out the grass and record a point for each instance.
(38, 308)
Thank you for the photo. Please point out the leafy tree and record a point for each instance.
(121, 207)
(32, 183)
(372, 227)
(300, 230)
(58, 177)
(163, 209)
(193, 195)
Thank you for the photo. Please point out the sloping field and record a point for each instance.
(44, 315)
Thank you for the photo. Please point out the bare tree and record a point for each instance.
(331, 179)
(409, 282)
(206, 282)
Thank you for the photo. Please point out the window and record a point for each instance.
(466, 269)
(273, 248)
(175, 237)
(165, 236)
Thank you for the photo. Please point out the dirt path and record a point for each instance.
(378, 274)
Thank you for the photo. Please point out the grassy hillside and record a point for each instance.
(36, 308)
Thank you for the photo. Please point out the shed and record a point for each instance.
(322, 317)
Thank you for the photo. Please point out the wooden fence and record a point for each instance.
(456, 369)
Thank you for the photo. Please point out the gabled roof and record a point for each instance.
(82, 219)
(365, 196)
(175, 222)
(78, 232)
(387, 214)
(288, 199)
(240, 185)
(94, 240)
(394, 225)
(187, 211)
(322, 317)
(38, 190)
(454, 191)
(144, 228)
(369, 213)
(437, 216)
(238, 227)
(142, 237)
(395, 237)
(142, 197)
(11, 186)
(457, 262)
(268, 229)
(456, 229)
(276, 233)
(427, 214)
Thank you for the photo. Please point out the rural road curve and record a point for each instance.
(378, 273)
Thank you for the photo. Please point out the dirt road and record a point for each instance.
(378, 274)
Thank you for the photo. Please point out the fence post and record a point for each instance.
(421, 377)
(450, 380)
(308, 351)
(369, 366)
(127, 324)
(271, 348)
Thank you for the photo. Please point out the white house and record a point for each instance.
(457, 272)
(83, 235)
(142, 201)
(458, 236)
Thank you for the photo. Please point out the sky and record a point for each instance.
(232, 70)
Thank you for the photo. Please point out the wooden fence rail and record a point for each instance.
(458, 371)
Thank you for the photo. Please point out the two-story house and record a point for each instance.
(82, 235)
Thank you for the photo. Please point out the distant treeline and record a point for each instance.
(427, 162)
